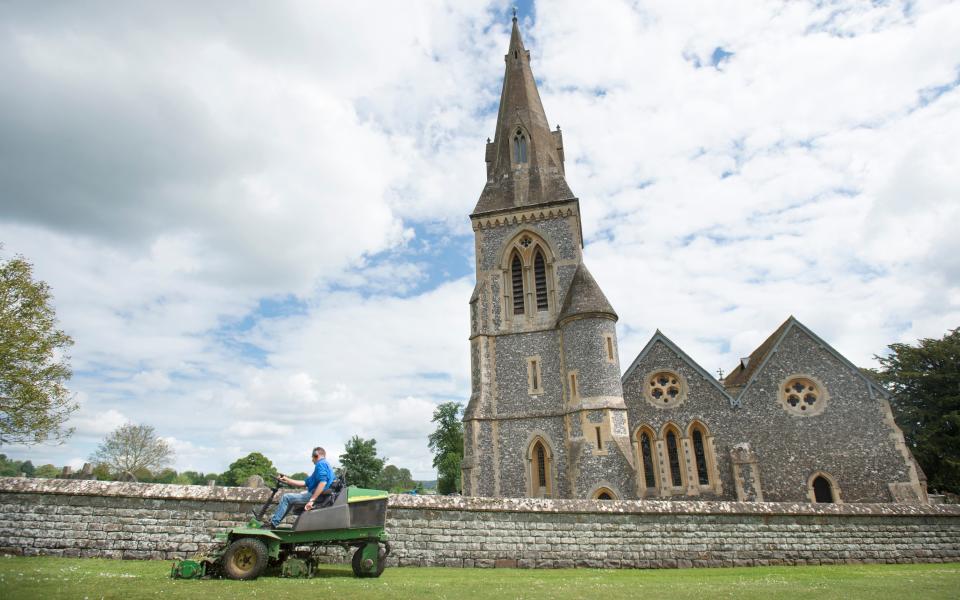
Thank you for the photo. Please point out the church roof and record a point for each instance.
(741, 374)
(538, 178)
(584, 296)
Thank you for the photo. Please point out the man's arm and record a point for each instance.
(293, 482)
(316, 493)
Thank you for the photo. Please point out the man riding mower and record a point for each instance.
(343, 516)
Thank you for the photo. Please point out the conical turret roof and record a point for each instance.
(585, 297)
(536, 177)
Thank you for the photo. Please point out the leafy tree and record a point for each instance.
(164, 476)
(134, 449)
(395, 479)
(47, 471)
(299, 475)
(194, 478)
(447, 444)
(27, 468)
(361, 463)
(34, 400)
(8, 468)
(252, 464)
(102, 472)
(925, 383)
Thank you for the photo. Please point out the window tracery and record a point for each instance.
(665, 389)
(803, 395)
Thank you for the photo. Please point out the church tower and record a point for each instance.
(546, 416)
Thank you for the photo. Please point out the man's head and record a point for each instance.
(319, 453)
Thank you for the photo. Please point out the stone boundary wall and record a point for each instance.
(137, 520)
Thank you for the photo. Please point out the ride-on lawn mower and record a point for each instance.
(346, 516)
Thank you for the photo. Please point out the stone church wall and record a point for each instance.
(130, 520)
(850, 440)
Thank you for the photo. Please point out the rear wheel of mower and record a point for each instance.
(246, 558)
(357, 563)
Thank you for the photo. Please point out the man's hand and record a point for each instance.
(309, 505)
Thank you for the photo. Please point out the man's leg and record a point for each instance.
(284, 506)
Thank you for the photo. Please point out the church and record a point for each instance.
(553, 415)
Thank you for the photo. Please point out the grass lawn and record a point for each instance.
(95, 578)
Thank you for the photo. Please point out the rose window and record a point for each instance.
(665, 389)
(802, 396)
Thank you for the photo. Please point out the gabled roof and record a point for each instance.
(759, 358)
(742, 373)
(659, 337)
(584, 297)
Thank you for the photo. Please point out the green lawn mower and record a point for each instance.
(346, 517)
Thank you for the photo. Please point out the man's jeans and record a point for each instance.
(284, 505)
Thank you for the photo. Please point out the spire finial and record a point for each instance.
(514, 13)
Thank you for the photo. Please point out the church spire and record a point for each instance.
(525, 159)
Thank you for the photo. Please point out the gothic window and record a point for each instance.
(541, 466)
(700, 455)
(573, 385)
(604, 494)
(519, 147)
(822, 489)
(516, 279)
(540, 279)
(673, 457)
(665, 389)
(646, 458)
(599, 439)
(802, 395)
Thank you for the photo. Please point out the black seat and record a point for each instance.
(326, 498)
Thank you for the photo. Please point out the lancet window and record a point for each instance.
(519, 147)
(516, 278)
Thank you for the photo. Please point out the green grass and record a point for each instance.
(94, 578)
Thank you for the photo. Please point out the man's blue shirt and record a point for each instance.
(321, 473)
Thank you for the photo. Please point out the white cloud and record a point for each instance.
(253, 221)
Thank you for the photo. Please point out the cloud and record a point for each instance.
(254, 221)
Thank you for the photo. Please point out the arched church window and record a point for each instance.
(519, 147)
(822, 490)
(540, 280)
(516, 278)
(604, 494)
(646, 455)
(700, 455)
(540, 469)
(673, 455)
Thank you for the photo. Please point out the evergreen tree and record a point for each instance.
(925, 383)
(361, 462)
(446, 442)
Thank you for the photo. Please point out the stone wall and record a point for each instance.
(135, 520)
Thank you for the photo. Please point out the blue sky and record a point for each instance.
(254, 219)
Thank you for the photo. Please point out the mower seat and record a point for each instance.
(326, 498)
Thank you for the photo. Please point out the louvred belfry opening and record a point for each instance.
(516, 277)
(540, 277)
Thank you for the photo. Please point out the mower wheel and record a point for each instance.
(246, 558)
(357, 563)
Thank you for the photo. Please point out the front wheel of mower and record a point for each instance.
(357, 563)
(246, 558)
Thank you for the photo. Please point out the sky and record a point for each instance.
(254, 216)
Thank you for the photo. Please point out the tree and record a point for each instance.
(34, 400)
(134, 449)
(300, 475)
(395, 479)
(925, 383)
(243, 468)
(361, 463)
(447, 444)
(46, 472)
